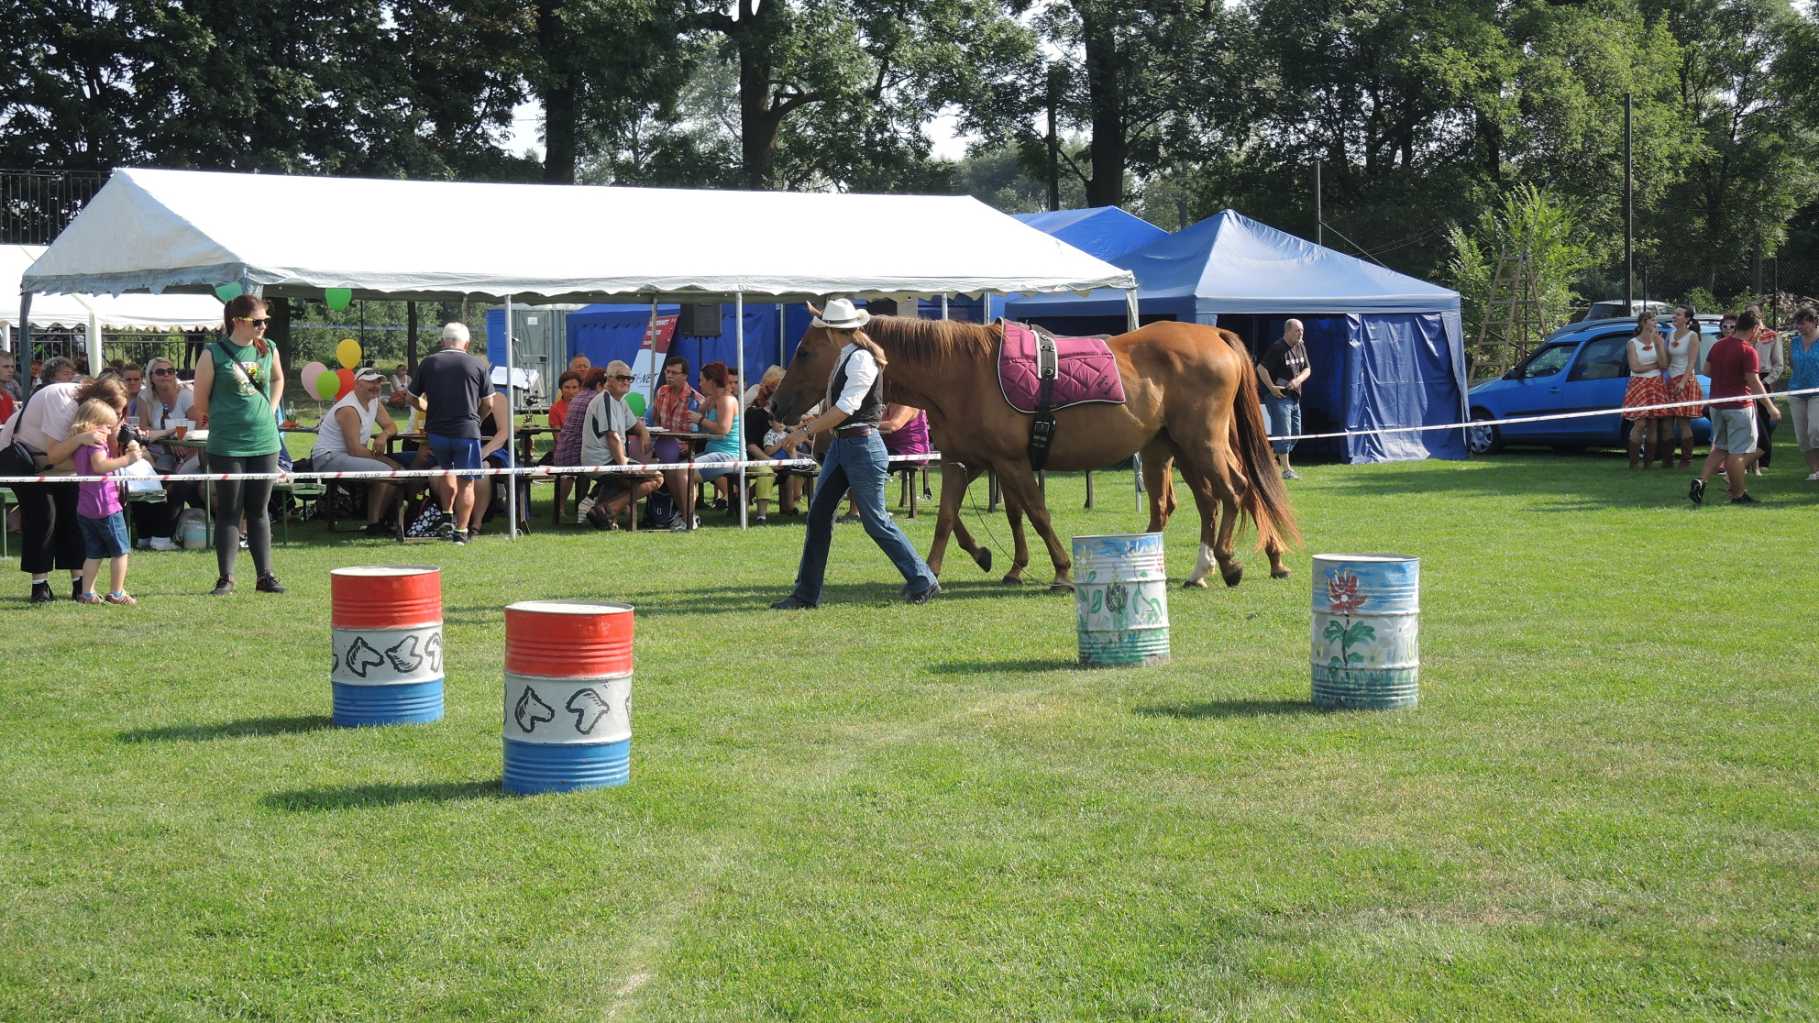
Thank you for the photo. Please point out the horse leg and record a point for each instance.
(1215, 497)
(1019, 481)
(1020, 548)
(953, 486)
(982, 556)
(1158, 480)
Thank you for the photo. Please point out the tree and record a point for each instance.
(1514, 270)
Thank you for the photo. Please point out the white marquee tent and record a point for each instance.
(188, 231)
(97, 314)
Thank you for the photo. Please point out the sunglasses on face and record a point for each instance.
(163, 372)
(257, 321)
(620, 376)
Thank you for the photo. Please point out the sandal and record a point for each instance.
(120, 597)
(90, 597)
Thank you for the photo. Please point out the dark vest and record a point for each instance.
(871, 407)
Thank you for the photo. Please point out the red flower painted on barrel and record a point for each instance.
(1342, 593)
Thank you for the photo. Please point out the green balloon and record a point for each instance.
(337, 298)
(228, 292)
(635, 402)
(327, 386)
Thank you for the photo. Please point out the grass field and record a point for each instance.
(1603, 808)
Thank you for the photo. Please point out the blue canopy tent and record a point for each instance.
(1103, 231)
(1386, 349)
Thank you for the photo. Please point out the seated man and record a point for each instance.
(343, 444)
(604, 442)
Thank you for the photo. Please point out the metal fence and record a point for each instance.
(35, 206)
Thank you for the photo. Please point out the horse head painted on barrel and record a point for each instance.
(1190, 397)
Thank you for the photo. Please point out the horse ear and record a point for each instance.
(812, 311)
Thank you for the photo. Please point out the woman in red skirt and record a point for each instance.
(1682, 385)
(1648, 430)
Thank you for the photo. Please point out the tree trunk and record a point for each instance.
(1105, 98)
(758, 121)
(560, 96)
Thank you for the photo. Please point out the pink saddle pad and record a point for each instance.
(1085, 371)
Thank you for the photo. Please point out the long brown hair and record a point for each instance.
(859, 338)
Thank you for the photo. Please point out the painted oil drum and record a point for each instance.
(568, 696)
(1367, 617)
(1121, 599)
(386, 632)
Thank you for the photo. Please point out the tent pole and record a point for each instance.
(94, 343)
(738, 423)
(511, 416)
(1130, 321)
(780, 352)
(24, 330)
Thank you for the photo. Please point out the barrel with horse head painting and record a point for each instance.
(1367, 616)
(386, 636)
(568, 696)
(1121, 599)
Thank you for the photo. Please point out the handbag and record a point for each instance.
(17, 458)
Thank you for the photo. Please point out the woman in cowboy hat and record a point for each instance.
(855, 460)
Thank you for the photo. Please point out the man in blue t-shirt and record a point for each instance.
(450, 387)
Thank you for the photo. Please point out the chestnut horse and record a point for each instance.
(1190, 396)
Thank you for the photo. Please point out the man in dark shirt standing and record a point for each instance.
(450, 386)
(1281, 372)
(1733, 365)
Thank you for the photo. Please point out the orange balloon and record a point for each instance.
(346, 376)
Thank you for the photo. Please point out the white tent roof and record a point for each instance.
(124, 312)
(154, 230)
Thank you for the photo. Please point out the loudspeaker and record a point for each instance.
(699, 320)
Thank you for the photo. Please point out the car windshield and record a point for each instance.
(1548, 361)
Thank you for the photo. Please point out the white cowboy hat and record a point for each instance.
(840, 315)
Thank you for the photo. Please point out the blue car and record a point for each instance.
(1579, 367)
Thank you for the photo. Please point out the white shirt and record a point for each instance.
(861, 370)
(606, 416)
(1680, 350)
(48, 417)
(330, 439)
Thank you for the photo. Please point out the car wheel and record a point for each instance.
(1486, 439)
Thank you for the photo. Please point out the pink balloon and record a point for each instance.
(310, 373)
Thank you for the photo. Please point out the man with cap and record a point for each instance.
(450, 386)
(856, 460)
(345, 442)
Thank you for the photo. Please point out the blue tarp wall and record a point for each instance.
(1386, 349)
(607, 332)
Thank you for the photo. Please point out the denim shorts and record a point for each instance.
(1734, 430)
(454, 453)
(103, 538)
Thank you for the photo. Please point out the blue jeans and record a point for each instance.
(858, 463)
(1283, 415)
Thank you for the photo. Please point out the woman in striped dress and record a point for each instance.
(1647, 357)
(1682, 385)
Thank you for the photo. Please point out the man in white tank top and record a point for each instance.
(342, 443)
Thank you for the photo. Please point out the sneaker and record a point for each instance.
(269, 584)
(458, 536)
(1696, 492)
(585, 505)
(1744, 499)
(792, 603)
(1290, 474)
(243, 545)
(223, 587)
(41, 593)
(120, 597)
(761, 520)
(719, 504)
(90, 597)
(446, 528)
(678, 525)
(923, 596)
(163, 543)
(1814, 478)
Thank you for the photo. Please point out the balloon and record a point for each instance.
(337, 298)
(310, 373)
(327, 384)
(347, 353)
(344, 382)
(635, 402)
(228, 292)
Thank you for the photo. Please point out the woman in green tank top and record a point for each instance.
(239, 384)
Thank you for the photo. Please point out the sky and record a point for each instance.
(527, 124)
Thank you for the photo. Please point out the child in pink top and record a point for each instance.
(99, 513)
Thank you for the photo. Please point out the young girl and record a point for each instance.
(99, 513)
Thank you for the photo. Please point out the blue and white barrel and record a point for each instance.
(1367, 618)
(386, 635)
(1121, 599)
(568, 696)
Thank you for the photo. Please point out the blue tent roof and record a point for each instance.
(1103, 231)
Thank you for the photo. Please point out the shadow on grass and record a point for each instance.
(1564, 481)
(354, 797)
(1228, 709)
(230, 729)
(727, 599)
(1009, 667)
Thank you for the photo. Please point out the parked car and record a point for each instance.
(1612, 308)
(1579, 367)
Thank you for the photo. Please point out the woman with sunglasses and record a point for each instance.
(239, 385)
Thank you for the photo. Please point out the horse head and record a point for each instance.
(805, 381)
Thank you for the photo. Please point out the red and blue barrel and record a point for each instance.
(1366, 635)
(386, 631)
(568, 696)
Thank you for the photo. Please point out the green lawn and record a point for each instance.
(1603, 808)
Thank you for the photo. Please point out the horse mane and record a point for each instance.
(935, 341)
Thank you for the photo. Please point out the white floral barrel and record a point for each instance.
(1121, 599)
(1367, 617)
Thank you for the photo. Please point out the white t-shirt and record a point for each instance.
(606, 415)
(48, 417)
(329, 437)
(861, 370)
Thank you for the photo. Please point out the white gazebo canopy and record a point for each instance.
(97, 313)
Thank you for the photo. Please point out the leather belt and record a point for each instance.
(855, 431)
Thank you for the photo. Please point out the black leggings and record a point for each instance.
(47, 522)
(1765, 436)
(252, 498)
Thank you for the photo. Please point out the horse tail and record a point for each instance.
(1266, 499)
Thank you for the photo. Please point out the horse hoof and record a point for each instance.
(1234, 577)
(1061, 586)
(1279, 573)
(983, 558)
(1194, 584)
(1013, 580)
